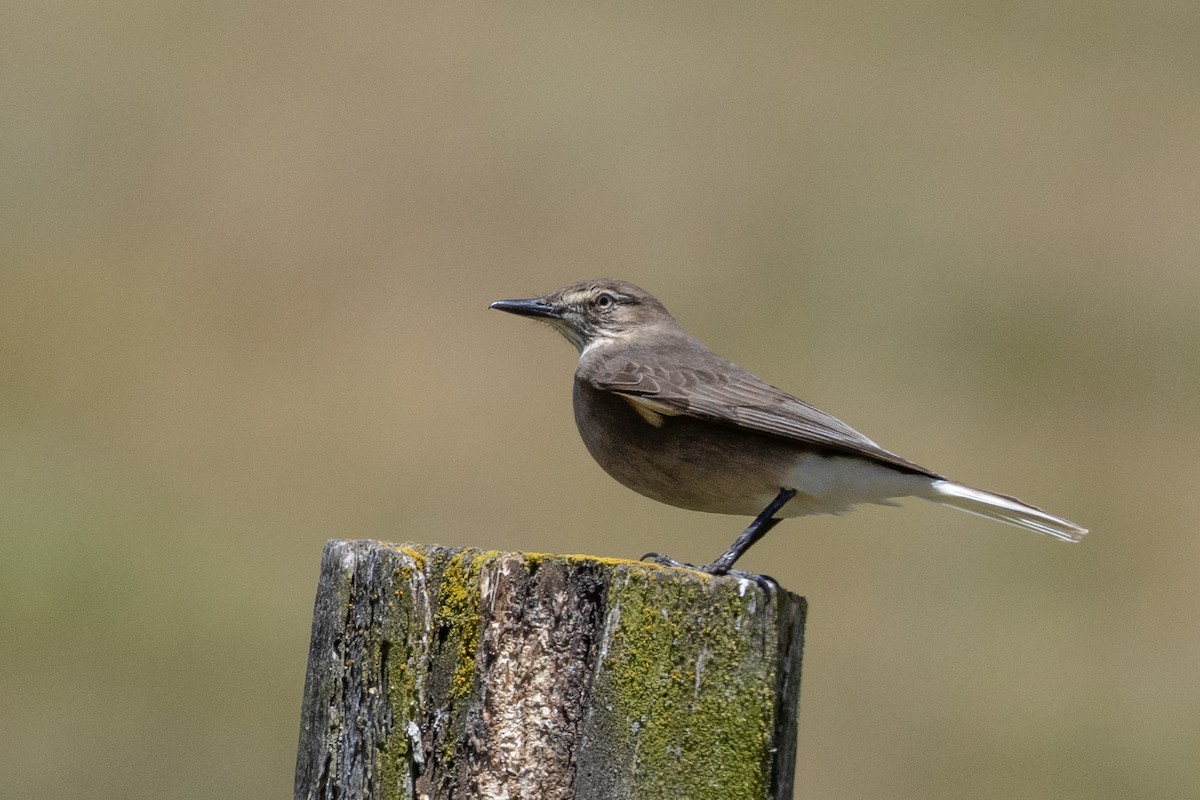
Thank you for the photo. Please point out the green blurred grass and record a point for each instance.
(247, 256)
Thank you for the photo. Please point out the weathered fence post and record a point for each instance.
(437, 672)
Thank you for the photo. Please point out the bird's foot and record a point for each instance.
(764, 582)
(717, 568)
(667, 561)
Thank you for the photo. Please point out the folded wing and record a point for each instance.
(732, 396)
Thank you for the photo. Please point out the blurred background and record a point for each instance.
(247, 253)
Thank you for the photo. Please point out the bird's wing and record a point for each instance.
(732, 396)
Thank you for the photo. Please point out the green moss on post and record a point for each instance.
(692, 697)
(440, 672)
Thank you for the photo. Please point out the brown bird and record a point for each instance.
(676, 422)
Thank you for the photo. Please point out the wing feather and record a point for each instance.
(730, 395)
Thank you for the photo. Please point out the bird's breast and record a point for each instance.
(678, 459)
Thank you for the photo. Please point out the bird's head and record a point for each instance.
(594, 312)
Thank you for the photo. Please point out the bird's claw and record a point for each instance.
(716, 569)
(764, 582)
(667, 561)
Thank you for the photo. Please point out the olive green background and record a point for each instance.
(247, 252)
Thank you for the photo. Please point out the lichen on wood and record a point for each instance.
(456, 673)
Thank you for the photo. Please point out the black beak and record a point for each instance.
(528, 308)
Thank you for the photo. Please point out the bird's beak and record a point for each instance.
(535, 307)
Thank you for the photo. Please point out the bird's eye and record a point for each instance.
(605, 300)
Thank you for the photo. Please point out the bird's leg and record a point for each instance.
(759, 528)
(762, 524)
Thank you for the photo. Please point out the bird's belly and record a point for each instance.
(704, 466)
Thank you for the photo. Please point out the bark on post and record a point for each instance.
(437, 672)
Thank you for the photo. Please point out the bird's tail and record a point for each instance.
(1004, 509)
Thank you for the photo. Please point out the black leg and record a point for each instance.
(762, 524)
(759, 528)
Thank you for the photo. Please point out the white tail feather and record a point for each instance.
(1003, 509)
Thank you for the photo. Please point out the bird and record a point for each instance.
(670, 419)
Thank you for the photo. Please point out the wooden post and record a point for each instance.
(437, 672)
